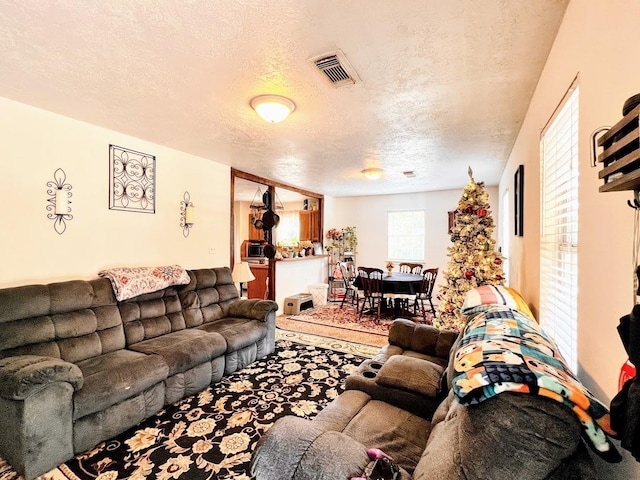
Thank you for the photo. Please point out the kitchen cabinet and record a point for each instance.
(254, 233)
(310, 225)
(258, 288)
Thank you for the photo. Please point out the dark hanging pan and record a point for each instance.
(270, 219)
(269, 251)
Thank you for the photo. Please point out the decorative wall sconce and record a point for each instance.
(58, 202)
(187, 214)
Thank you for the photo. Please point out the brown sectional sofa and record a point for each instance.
(402, 403)
(78, 367)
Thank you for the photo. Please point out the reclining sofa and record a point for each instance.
(405, 401)
(78, 367)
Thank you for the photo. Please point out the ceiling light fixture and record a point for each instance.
(272, 108)
(372, 173)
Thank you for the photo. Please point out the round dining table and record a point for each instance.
(397, 283)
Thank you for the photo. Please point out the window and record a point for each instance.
(406, 235)
(288, 231)
(559, 227)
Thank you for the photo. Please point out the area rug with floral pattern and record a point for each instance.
(211, 435)
(348, 317)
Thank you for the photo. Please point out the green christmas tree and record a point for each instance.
(473, 259)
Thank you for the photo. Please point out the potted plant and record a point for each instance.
(349, 240)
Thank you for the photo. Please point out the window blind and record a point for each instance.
(406, 235)
(559, 227)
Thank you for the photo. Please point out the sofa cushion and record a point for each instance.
(389, 351)
(72, 320)
(184, 349)
(151, 315)
(422, 339)
(238, 332)
(208, 296)
(411, 374)
(114, 377)
(376, 424)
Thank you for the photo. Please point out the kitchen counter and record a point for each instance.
(296, 259)
(293, 275)
(265, 260)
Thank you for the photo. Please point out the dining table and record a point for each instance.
(398, 283)
(402, 283)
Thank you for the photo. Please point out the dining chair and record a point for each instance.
(426, 293)
(373, 289)
(348, 270)
(415, 268)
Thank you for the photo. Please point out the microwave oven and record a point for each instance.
(255, 249)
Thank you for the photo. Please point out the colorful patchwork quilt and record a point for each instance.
(503, 350)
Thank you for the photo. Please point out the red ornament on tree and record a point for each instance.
(468, 273)
(498, 261)
(482, 212)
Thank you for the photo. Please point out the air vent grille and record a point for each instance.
(336, 69)
(331, 67)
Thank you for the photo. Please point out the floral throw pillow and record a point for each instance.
(129, 282)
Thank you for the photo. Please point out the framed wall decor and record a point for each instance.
(132, 180)
(518, 201)
(451, 221)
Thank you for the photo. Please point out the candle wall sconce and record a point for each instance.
(59, 201)
(187, 214)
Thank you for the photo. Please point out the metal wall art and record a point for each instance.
(132, 180)
(187, 212)
(58, 202)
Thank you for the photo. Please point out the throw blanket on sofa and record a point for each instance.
(502, 350)
(129, 282)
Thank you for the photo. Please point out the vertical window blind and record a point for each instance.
(406, 235)
(559, 227)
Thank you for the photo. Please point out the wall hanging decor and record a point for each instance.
(518, 201)
(59, 201)
(132, 180)
(187, 214)
(451, 221)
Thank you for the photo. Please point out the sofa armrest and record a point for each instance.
(253, 308)
(297, 449)
(421, 338)
(24, 375)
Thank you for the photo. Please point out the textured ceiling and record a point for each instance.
(445, 84)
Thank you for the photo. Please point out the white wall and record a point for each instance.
(295, 276)
(598, 42)
(36, 142)
(369, 216)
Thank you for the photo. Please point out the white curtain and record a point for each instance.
(288, 230)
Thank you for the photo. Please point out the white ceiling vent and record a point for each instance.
(335, 68)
